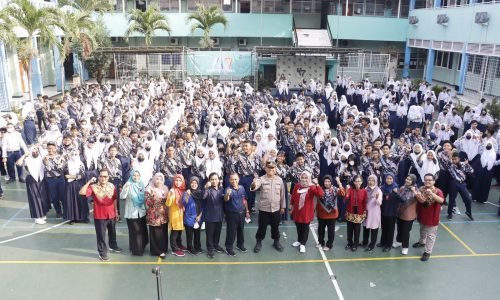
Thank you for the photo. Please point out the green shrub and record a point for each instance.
(494, 108)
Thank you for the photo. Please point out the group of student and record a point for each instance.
(181, 161)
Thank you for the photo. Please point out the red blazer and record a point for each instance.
(306, 214)
(356, 198)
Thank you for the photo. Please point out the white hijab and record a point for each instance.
(429, 166)
(488, 157)
(35, 165)
(213, 165)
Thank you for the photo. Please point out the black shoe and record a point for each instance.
(277, 246)
(200, 250)
(347, 247)
(162, 256)
(241, 249)
(10, 181)
(469, 215)
(104, 258)
(418, 245)
(425, 256)
(22, 180)
(59, 216)
(120, 220)
(192, 252)
(257, 247)
(219, 249)
(354, 249)
(450, 216)
(369, 248)
(230, 252)
(379, 245)
(364, 245)
(210, 254)
(386, 249)
(116, 250)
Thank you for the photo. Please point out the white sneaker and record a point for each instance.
(325, 248)
(295, 244)
(44, 217)
(404, 251)
(396, 245)
(302, 249)
(456, 211)
(40, 221)
(319, 246)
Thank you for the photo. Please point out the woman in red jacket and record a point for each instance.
(302, 207)
(355, 201)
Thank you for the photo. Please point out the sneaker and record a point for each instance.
(404, 251)
(319, 246)
(369, 248)
(354, 249)
(104, 258)
(396, 245)
(302, 249)
(178, 253)
(258, 247)
(120, 220)
(469, 215)
(386, 249)
(277, 246)
(183, 248)
(10, 181)
(219, 249)
(253, 211)
(450, 217)
(241, 249)
(425, 256)
(40, 221)
(230, 252)
(22, 180)
(59, 216)
(295, 244)
(347, 247)
(44, 218)
(418, 245)
(456, 211)
(326, 249)
(116, 250)
(210, 254)
(162, 256)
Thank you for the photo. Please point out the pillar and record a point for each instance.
(406, 67)
(4, 82)
(463, 70)
(412, 5)
(437, 3)
(429, 65)
(15, 74)
(36, 74)
(58, 67)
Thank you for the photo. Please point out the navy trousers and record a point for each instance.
(246, 181)
(56, 187)
(459, 188)
(12, 157)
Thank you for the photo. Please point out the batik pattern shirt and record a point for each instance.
(54, 166)
(113, 165)
(460, 171)
(312, 161)
(247, 165)
(183, 157)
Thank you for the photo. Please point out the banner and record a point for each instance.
(219, 63)
(297, 68)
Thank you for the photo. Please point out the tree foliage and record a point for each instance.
(205, 18)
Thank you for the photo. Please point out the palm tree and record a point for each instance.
(78, 38)
(146, 22)
(205, 18)
(39, 23)
(99, 61)
(89, 6)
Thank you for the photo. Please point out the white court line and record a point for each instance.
(38, 231)
(492, 204)
(14, 216)
(333, 278)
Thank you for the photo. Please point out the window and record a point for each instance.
(443, 59)
(478, 64)
(459, 64)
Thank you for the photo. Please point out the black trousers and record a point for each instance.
(117, 182)
(268, 218)
(175, 240)
(329, 225)
(302, 232)
(388, 226)
(41, 119)
(193, 239)
(235, 222)
(370, 234)
(100, 230)
(353, 230)
(212, 231)
(404, 228)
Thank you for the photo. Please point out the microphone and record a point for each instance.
(156, 270)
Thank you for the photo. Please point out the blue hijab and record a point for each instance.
(136, 190)
(387, 189)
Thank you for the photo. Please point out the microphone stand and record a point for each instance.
(157, 272)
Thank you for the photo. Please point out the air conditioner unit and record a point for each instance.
(413, 20)
(443, 19)
(216, 41)
(242, 42)
(174, 41)
(482, 18)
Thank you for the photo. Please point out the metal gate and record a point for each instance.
(482, 79)
(129, 66)
(374, 67)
